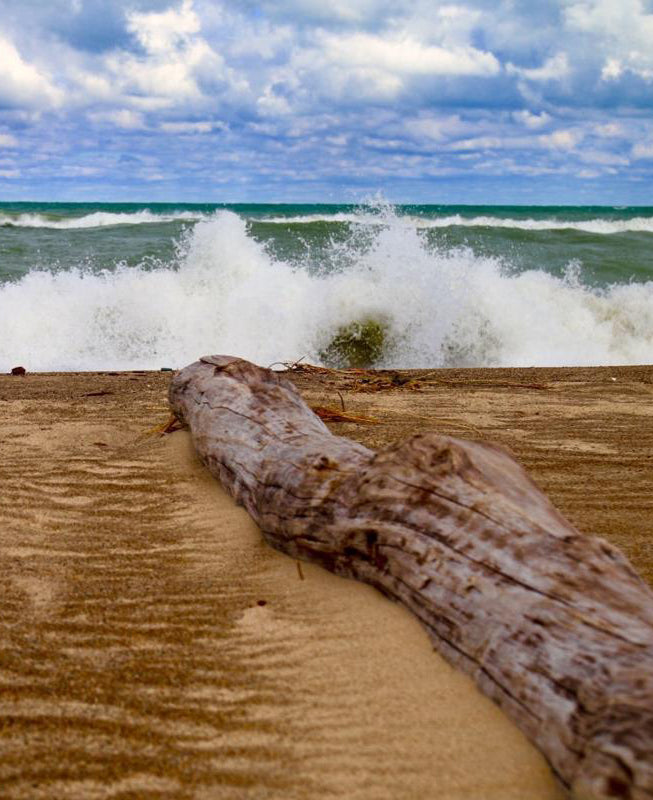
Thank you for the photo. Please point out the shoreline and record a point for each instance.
(153, 643)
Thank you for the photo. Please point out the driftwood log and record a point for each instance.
(553, 625)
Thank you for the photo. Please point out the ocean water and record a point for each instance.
(107, 286)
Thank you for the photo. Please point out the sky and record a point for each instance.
(511, 101)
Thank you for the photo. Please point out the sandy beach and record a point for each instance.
(152, 646)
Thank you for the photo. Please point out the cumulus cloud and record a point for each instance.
(166, 31)
(562, 139)
(624, 31)
(23, 84)
(406, 56)
(174, 55)
(612, 70)
(341, 94)
(171, 66)
(553, 69)
(531, 120)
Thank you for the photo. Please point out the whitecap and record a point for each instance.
(98, 219)
(227, 294)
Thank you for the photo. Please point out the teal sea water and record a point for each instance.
(138, 286)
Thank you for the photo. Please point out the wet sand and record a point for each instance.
(152, 646)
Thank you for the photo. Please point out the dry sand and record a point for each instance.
(152, 646)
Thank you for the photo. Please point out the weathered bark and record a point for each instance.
(553, 625)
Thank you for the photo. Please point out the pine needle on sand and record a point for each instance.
(329, 414)
(171, 425)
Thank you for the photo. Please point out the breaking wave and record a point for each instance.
(595, 226)
(98, 219)
(363, 216)
(225, 293)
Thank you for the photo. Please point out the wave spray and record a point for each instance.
(225, 292)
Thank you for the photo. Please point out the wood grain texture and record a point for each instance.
(136, 662)
(554, 626)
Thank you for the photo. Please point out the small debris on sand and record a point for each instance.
(334, 415)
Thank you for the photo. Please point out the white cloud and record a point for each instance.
(270, 104)
(555, 68)
(643, 150)
(532, 121)
(615, 69)
(562, 139)
(9, 173)
(436, 128)
(263, 41)
(293, 81)
(337, 141)
(166, 31)
(92, 86)
(624, 29)
(191, 127)
(178, 62)
(335, 11)
(146, 104)
(23, 84)
(603, 158)
(609, 130)
(152, 175)
(365, 67)
(166, 79)
(480, 143)
(75, 171)
(612, 70)
(406, 56)
(123, 118)
(7, 140)
(558, 140)
(450, 26)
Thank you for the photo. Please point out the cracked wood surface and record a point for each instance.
(554, 626)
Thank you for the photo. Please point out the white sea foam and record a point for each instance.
(595, 226)
(98, 219)
(228, 295)
(361, 217)
(598, 226)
